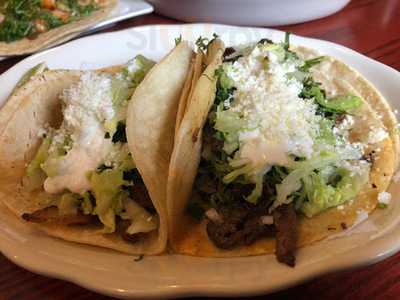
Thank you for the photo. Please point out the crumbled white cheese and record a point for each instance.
(376, 135)
(271, 110)
(344, 126)
(87, 104)
(384, 197)
(90, 97)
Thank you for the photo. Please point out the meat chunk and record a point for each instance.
(286, 234)
(240, 226)
(51, 215)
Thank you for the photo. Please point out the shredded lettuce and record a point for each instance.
(57, 149)
(108, 189)
(229, 124)
(108, 219)
(338, 104)
(233, 175)
(35, 176)
(105, 186)
(52, 166)
(277, 49)
(141, 220)
(86, 204)
(324, 185)
(120, 91)
(326, 134)
(322, 194)
(292, 182)
(257, 191)
(68, 204)
(122, 87)
(38, 69)
(224, 87)
(342, 103)
(223, 79)
(137, 69)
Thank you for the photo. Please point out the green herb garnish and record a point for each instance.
(21, 17)
(178, 40)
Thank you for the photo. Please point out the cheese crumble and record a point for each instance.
(384, 197)
(87, 104)
(276, 122)
(376, 135)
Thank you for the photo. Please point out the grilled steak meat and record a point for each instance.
(286, 234)
(51, 215)
(239, 226)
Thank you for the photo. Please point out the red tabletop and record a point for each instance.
(371, 27)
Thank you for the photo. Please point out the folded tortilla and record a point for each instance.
(57, 35)
(36, 104)
(188, 236)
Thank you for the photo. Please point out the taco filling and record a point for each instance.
(276, 147)
(83, 170)
(27, 19)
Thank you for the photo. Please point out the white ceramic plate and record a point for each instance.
(125, 9)
(168, 276)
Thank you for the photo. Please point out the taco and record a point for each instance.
(279, 147)
(29, 26)
(66, 155)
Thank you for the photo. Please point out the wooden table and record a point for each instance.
(371, 27)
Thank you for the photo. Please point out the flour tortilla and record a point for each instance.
(196, 68)
(151, 120)
(36, 104)
(57, 35)
(190, 237)
(186, 154)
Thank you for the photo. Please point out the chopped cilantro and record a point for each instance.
(21, 15)
(178, 40)
(286, 43)
(203, 42)
(382, 205)
(308, 64)
(225, 88)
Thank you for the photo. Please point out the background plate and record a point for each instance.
(125, 9)
(168, 276)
